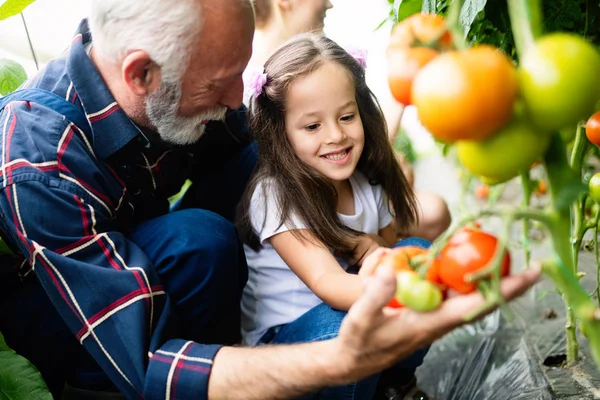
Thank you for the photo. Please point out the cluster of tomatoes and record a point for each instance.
(467, 252)
(499, 115)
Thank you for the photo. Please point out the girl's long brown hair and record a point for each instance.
(298, 188)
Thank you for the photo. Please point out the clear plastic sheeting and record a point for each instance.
(517, 359)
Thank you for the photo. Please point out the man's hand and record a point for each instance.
(372, 337)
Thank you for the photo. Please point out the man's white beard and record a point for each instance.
(162, 107)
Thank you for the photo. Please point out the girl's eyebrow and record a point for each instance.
(312, 113)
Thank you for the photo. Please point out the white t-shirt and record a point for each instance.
(274, 295)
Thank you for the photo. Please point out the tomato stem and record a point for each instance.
(543, 216)
(520, 13)
(580, 148)
(564, 235)
(454, 25)
(526, 186)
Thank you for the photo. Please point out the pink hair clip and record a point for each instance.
(359, 55)
(257, 82)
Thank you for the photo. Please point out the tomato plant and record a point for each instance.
(466, 252)
(559, 80)
(592, 128)
(466, 94)
(515, 148)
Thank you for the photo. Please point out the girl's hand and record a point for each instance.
(367, 244)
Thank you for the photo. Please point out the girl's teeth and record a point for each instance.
(336, 157)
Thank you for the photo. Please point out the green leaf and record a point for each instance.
(3, 345)
(20, 380)
(569, 193)
(469, 11)
(13, 7)
(12, 75)
(406, 8)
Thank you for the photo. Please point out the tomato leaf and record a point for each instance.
(20, 380)
(469, 11)
(3, 345)
(406, 8)
(569, 193)
(12, 75)
(13, 7)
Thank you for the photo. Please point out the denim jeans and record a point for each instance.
(323, 322)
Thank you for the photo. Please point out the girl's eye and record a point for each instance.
(312, 127)
(349, 117)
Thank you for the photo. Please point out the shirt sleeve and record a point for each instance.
(265, 213)
(104, 286)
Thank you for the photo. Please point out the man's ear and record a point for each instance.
(140, 73)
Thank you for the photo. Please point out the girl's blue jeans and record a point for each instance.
(323, 322)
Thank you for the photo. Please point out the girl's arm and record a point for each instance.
(388, 234)
(314, 264)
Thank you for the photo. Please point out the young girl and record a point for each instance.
(322, 196)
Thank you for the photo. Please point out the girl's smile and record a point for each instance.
(339, 157)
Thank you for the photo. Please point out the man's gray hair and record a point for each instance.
(165, 29)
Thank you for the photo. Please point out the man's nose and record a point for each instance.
(233, 96)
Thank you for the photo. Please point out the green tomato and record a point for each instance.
(416, 293)
(497, 159)
(594, 187)
(559, 80)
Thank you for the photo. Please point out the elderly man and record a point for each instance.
(112, 290)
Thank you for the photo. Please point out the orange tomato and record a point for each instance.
(421, 29)
(482, 191)
(466, 94)
(541, 188)
(400, 258)
(403, 65)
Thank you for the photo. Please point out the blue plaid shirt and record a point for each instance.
(68, 200)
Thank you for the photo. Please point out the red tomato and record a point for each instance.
(394, 303)
(592, 128)
(466, 252)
